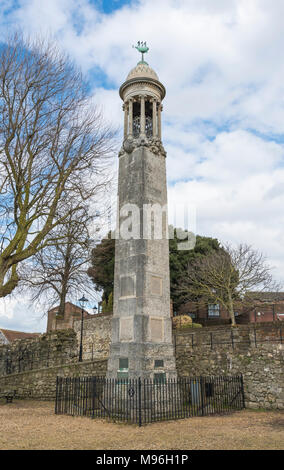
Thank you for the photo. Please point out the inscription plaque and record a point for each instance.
(127, 286)
(156, 326)
(156, 285)
(126, 329)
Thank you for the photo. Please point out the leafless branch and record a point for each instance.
(227, 276)
(53, 146)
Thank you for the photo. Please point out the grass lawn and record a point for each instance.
(33, 425)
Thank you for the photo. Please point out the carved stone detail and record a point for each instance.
(153, 143)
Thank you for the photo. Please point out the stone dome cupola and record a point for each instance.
(142, 70)
(142, 94)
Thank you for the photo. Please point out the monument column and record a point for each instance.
(125, 108)
(130, 118)
(141, 342)
(142, 115)
(154, 118)
(159, 121)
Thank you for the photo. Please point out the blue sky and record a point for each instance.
(224, 109)
(109, 7)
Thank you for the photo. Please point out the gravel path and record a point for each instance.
(33, 425)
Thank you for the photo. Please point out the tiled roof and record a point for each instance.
(75, 308)
(266, 296)
(12, 335)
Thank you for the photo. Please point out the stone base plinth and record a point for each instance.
(145, 361)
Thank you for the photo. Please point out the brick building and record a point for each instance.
(71, 313)
(204, 313)
(266, 306)
(258, 307)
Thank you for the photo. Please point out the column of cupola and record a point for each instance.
(156, 116)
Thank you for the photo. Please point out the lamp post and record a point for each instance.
(82, 302)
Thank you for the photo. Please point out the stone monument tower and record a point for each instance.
(141, 344)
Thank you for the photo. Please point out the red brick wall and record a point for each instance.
(259, 312)
(71, 313)
(201, 311)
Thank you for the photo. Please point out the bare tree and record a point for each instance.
(53, 148)
(226, 277)
(58, 272)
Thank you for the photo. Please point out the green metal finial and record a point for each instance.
(142, 47)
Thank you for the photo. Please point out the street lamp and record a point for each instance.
(82, 302)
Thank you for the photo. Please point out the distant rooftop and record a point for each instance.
(73, 307)
(266, 296)
(12, 335)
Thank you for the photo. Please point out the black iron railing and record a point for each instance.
(145, 401)
(230, 337)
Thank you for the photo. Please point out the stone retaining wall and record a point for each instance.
(96, 336)
(41, 383)
(256, 352)
(47, 350)
(261, 362)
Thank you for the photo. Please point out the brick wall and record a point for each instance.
(71, 313)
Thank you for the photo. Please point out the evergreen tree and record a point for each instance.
(179, 260)
(102, 268)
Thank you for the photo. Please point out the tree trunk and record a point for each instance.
(65, 278)
(231, 309)
(61, 310)
(6, 287)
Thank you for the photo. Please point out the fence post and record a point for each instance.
(202, 395)
(56, 395)
(139, 402)
(243, 392)
(93, 395)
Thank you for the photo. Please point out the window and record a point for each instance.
(122, 373)
(213, 310)
(159, 363)
(123, 364)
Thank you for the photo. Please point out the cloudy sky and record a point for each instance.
(221, 63)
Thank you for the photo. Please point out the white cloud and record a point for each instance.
(236, 190)
(17, 313)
